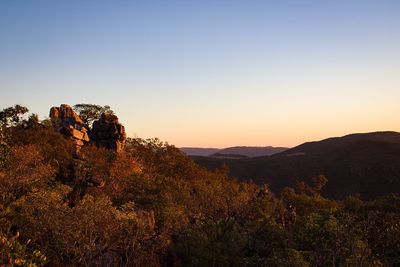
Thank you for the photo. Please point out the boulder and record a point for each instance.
(68, 123)
(107, 132)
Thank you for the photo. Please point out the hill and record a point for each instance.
(366, 164)
(240, 151)
(199, 151)
(336, 143)
(228, 156)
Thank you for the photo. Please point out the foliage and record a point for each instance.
(150, 205)
(212, 244)
(11, 116)
(308, 199)
(91, 232)
(13, 253)
(91, 112)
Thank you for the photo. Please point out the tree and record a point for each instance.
(12, 115)
(91, 112)
(219, 243)
(308, 199)
(23, 170)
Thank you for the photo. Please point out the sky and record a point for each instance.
(209, 73)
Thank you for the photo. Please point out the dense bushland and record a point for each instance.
(150, 205)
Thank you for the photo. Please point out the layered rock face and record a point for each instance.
(107, 132)
(68, 123)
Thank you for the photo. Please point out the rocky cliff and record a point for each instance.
(106, 132)
(68, 123)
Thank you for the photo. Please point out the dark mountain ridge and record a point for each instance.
(335, 143)
(247, 151)
(367, 164)
(199, 151)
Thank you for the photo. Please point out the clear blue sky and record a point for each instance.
(209, 73)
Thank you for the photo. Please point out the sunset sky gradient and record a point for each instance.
(209, 73)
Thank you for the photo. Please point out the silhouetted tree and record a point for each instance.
(91, 112)
(12, 115)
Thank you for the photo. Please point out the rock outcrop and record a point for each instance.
(68, 123)
(107, 132)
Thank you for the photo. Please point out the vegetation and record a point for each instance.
(91, 112)
(150, 205)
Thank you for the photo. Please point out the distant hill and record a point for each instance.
(366, 164)
(251, 151)
(237, 151)
(199, 151)
(228, 156)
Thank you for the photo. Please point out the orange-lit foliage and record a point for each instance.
(24, 170)
(151, 205)
(308, 199)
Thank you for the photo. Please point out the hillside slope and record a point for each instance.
(366, 164)
(251, 151)
(247, 151)
(199, 151)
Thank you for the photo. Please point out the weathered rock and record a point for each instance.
(107, 132)
(68, 123)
